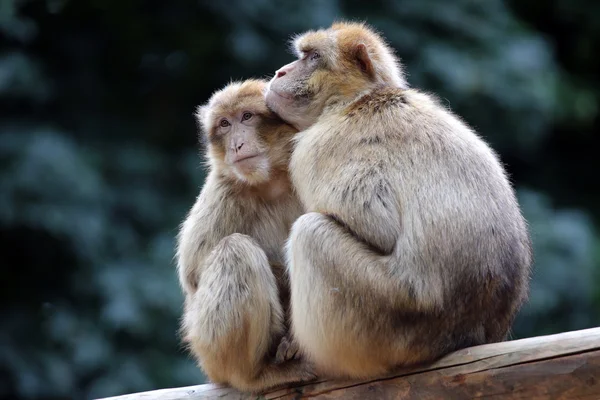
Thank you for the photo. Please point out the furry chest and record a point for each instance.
(310, 151)
(272, 231)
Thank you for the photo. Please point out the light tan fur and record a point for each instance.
(413, 245)
(230, 247)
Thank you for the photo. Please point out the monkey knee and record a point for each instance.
(305, 228)
(240, 252)
(309, 221)
(238, 242)
(313, 240)
(236, 283)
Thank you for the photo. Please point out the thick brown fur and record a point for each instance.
(230, 248)
(414, 244)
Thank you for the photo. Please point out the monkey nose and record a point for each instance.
(279, 73)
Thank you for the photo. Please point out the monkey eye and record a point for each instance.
(246, 116)
(224, 123)
(315, 56)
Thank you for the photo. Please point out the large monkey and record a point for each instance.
(230, 247)
(413, 244)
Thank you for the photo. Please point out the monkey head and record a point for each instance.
(333, 65)
(245, 140)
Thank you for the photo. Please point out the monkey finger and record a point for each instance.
(287, 350)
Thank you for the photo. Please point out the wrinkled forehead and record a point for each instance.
(247, 96)
(324, 41)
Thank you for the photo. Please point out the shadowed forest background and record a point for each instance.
(99, 160)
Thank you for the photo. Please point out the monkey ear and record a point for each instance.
(364, 61)
(201, 114)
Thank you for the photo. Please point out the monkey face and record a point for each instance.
(336, 64)
(245, 139)
(292, 91)
(243, 151)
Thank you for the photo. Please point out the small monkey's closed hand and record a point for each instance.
(288, 349)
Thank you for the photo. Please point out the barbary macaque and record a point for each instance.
(413, 244)
(230, 248)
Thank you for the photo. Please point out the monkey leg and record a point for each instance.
(235, 318)
(343, 301)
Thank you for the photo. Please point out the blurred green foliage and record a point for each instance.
(99, 160)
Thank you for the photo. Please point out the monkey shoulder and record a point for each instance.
(395, 104)
(375, 102)
(379, 100)
(415, 120)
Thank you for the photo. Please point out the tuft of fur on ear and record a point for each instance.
(201, 116)
(364, 60)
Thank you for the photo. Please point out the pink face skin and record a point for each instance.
(245, 157)
(287, 94)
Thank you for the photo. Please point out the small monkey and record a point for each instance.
(230, 248)
(413, 244)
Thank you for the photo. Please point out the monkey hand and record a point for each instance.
(287, 350)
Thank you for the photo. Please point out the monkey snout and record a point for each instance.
(284, 70)
(237, 144)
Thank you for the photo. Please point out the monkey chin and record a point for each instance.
(289, 108)
(252, 171)
(272, 99)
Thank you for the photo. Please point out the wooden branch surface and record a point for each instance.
(562, 366)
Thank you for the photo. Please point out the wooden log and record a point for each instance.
(562, 366)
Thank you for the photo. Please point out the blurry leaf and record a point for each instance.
(20, 77)
(14, 25)
(564, 260)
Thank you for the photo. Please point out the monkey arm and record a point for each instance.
(361, 201)
(192, 249)
(323, 252)
(199, 234)
(368, 240)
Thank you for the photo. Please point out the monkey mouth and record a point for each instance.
(246, 158)
(247, 167)
(280, 95)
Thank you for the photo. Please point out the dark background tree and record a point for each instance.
(99, 159)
